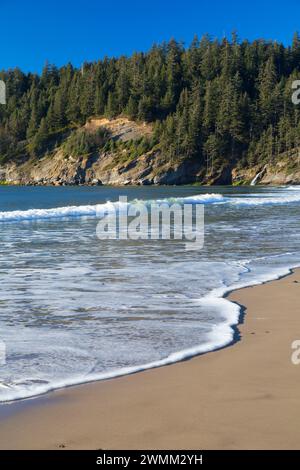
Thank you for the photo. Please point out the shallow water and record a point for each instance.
(74, 308)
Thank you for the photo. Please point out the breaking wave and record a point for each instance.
(287, 197)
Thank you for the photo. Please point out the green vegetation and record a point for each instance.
(125, 152)
(220, 102)
(132, 148)
(83, 142)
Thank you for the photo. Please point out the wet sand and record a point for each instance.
(245, 396)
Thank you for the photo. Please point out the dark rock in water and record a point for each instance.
(224, 178)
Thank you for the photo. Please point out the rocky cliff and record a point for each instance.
(118, 167)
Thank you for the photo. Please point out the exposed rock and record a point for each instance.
(112, 168)
(285, 170)
(121, 128)
(222, 176)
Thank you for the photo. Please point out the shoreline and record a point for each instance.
(232, 325)
(247, 184)
(127, 412)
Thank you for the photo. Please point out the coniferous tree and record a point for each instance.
(215, 101)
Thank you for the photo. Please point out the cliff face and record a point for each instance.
(284, 170)
(105, 168)
(119, 168)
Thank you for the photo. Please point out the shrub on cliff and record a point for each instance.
(83, 142)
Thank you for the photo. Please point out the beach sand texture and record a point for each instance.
(245, 396)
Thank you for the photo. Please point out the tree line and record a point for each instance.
(218, 101)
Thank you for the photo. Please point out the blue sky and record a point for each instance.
(61, 31)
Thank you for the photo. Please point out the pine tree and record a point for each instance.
(267, 82)
(111, 109)
(38, 144)
(226, 101)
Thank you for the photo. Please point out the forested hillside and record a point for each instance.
(214, 103)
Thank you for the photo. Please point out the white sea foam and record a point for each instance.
(222, 332)
(94, 210)
(221, 336)
(196, 199)
(55, 213)
(266, 201)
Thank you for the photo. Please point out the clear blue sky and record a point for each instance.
(77, 30)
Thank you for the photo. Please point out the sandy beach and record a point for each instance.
(245, 396)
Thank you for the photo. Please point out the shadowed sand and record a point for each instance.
(242, 397)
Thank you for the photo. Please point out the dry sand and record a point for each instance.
(245, 396)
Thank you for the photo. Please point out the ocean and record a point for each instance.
(74, 308)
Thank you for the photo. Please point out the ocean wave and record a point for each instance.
(97, 210)
(221, 336)
(196, 199)
(54, 213)
(293, 188)
(265, 201)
